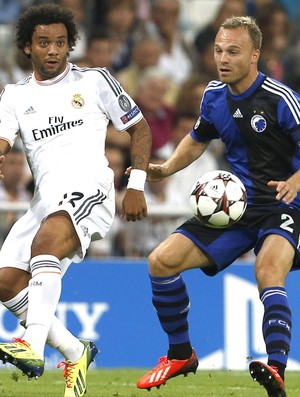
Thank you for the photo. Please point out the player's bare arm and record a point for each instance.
(287, 190)
(186, 152)
(134, 205)
(141, 142)
(4, 148)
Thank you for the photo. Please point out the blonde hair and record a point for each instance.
(249, 24)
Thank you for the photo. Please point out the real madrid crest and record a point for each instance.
(77, 101)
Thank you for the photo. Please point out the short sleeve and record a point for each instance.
(204, 129)
(9, 126)
(120, 108)
(289, 111)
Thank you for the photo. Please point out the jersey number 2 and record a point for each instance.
(74, 197)
(288, 220)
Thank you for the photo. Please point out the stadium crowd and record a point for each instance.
(162, 53)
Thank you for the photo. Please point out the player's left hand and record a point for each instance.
(286, 190)
(134, 205)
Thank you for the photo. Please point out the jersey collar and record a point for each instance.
(260, 78)
(55, 79)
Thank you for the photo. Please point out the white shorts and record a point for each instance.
(91, 210)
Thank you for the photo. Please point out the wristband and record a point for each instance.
(137, 179)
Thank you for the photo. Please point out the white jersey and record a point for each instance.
(62, 123)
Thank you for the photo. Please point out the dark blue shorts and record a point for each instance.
(224, 246)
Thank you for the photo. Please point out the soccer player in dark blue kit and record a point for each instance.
(258, 119)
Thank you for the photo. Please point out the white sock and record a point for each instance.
(58, 336)
(64, 341)
(43, 296)
(18, 305)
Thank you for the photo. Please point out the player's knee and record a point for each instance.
(12, 281)
(52, 243)
(41, 244)
(260, 276)
(6, 291)
(268, 276)
(159, 264)
(40, 249)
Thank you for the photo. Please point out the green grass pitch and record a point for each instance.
(121, 383)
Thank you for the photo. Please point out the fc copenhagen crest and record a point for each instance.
(258, 123)
(77, 101)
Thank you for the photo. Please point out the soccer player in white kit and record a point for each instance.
(61, 113)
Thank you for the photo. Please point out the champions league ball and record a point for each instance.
(218, 199)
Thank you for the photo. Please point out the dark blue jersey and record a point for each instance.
(261, 131)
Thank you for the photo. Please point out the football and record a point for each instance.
(218, 199)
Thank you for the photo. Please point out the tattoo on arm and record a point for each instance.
(140, 147)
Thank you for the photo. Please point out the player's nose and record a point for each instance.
(53, 49)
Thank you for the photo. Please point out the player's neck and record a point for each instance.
(54, 79)
(243, 85)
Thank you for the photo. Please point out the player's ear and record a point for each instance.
(27, 49)
(255, 55)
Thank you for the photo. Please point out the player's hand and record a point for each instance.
(155, 172)
(134, 205)
(286, 191)
(2, 159)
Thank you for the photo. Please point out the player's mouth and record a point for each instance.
(52, 62)
(224, 71)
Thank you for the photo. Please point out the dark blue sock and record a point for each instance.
(277, 324)
(171, 301)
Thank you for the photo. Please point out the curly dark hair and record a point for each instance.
(45, 14)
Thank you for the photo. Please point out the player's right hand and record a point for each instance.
(156, 172)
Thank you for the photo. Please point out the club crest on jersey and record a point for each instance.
(124, 103)
(258, 123)
(77, 101)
